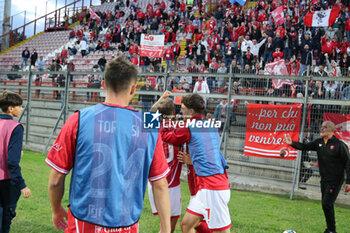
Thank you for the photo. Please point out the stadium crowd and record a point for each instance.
(229, 36)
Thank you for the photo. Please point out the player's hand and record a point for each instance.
(166, 94)
(184, 158)
(287, 139)
(59, 218)
(347, 188)
(26, 192)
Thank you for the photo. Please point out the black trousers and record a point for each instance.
(9, 196)
(329, 195)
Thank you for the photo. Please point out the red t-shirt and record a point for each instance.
(183, 135)
(170, 152)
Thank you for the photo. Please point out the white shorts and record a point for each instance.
(175, 201)
(212, 206)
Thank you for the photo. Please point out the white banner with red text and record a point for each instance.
(152, 45)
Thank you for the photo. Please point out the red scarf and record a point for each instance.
(199, 86)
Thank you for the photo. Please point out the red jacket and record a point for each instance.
(168, 54)
(133, 49)
(327, 46)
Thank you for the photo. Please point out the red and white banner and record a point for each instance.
(266, 127)
(278, 68)
(342, 125)
(324, 18)
(278, 15)
(152, 45)
(93, 15)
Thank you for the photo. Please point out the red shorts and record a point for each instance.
(85, 227)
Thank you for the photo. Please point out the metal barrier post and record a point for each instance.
(166, 80)
(29, 96)
(301, 136)
(22, 114)
(66, 95)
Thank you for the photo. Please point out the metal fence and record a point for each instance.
(315, 94)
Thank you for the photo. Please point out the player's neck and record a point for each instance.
(121, 100)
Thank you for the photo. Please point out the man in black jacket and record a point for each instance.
(333, 158)
(306, 59)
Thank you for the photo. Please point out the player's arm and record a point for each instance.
(158, 173)
(178, 136)
(184, 158)
(165, 95)
(61, 160)
(162, 202)
(56, 191)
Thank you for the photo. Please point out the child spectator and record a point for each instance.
(11, 182)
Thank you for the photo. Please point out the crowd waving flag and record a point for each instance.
(266, 127)
(324, 18)
(94, 15)
(152, 45)
(240, 2)
(278, 68)
(342, 125)
(278, 15)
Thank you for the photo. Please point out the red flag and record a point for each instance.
(278, 15)
(324, 18)
(266, 127)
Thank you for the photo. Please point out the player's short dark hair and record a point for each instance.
(9, 99)
(166, 107)
(119, 74)
(195, 102)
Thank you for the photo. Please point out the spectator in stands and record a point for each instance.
(293, 66)
(230, 52)
(222, 70)
(221, 112)
(255, 46)
(306, 60)
(344, 64)
(146, 100)
(72, 34)
(106, 46)
(54, 67)
(189, 53)
(277, 55)
(25, 57)
(71, 68)
(135, 60)
(41, 63)
(248, 57)
(200, 50)
(201, 86)
(33, 57)
(168, 57)
(176, 50)
(321, 72)
(102, 63)
(83, 47)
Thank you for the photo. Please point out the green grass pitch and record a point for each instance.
(250, 211)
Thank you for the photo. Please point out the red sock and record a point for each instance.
(203, 228)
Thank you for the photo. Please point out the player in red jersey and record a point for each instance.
(166, 107)
(210, 202)
(78, 143)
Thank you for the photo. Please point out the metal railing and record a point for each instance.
(60, 18)
(311, 97)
